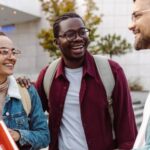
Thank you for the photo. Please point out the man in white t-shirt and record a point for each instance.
(77, 102)
(141, 28)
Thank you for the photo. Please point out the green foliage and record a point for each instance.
(113, 45)
(53, 9)
(92, 22)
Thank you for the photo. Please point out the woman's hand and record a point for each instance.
(15, 134)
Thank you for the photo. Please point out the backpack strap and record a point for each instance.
(106, 75)
(104, 71)
(108, 80)
(25, 98)
(49, 75)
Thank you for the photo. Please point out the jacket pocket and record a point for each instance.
(22, 122)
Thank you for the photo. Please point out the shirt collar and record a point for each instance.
(88, 66)
(13, 90)
(60, 69)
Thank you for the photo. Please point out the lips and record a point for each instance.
(9, 65)
(136, 31)
(78, 49)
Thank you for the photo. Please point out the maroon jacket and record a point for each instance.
(94, 107)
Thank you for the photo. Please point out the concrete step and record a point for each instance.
(138, 113)
(140, 96)
(138, 106)
(138, 121)
(136, 102)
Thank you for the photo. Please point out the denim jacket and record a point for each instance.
(32, 128)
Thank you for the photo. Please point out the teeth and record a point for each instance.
(77, 47)
(9, 65)
(136, 31)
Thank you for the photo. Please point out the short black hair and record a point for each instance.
(2, 33)
(56, 27)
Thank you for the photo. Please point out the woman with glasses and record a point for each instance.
(29, 131)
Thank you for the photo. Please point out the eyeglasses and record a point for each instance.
(138, 14)
(71, 35)
(7, 51)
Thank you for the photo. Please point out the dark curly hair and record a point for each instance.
(2, 33)
(56, 27)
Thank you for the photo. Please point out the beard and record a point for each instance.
(73, 57)
(142, 42)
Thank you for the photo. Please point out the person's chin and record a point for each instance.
(9, 73)
(141, 45)
(138, 44)
(138, 48)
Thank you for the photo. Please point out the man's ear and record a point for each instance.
(56, 41)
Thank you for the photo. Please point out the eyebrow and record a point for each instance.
(3, 47)
(8, 48)
(140, 11)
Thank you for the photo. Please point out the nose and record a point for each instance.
(131, 26)
(11, 56)
(78, 37)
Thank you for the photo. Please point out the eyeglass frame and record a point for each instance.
(64, 35)
(139, 13)
(15, 52)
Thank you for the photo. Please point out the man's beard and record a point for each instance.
(142, 43)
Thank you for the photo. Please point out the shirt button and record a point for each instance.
(7, 113)
(84, 124)
(65, 87)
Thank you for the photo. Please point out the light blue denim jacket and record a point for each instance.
(33, 128)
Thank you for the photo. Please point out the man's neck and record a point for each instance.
(2, 79)
(73, 63)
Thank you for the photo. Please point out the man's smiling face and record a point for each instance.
(141, 24)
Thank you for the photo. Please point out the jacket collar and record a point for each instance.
(13, 90)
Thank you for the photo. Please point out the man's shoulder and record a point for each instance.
(114, 65)
(117, 69)
(43, 71)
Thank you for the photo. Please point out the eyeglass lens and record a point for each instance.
(7, 51)
(72, 34)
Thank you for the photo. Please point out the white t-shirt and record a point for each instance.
(140, 139)
(72, 136)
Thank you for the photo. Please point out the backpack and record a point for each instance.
(25, 99)
(105, 74)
